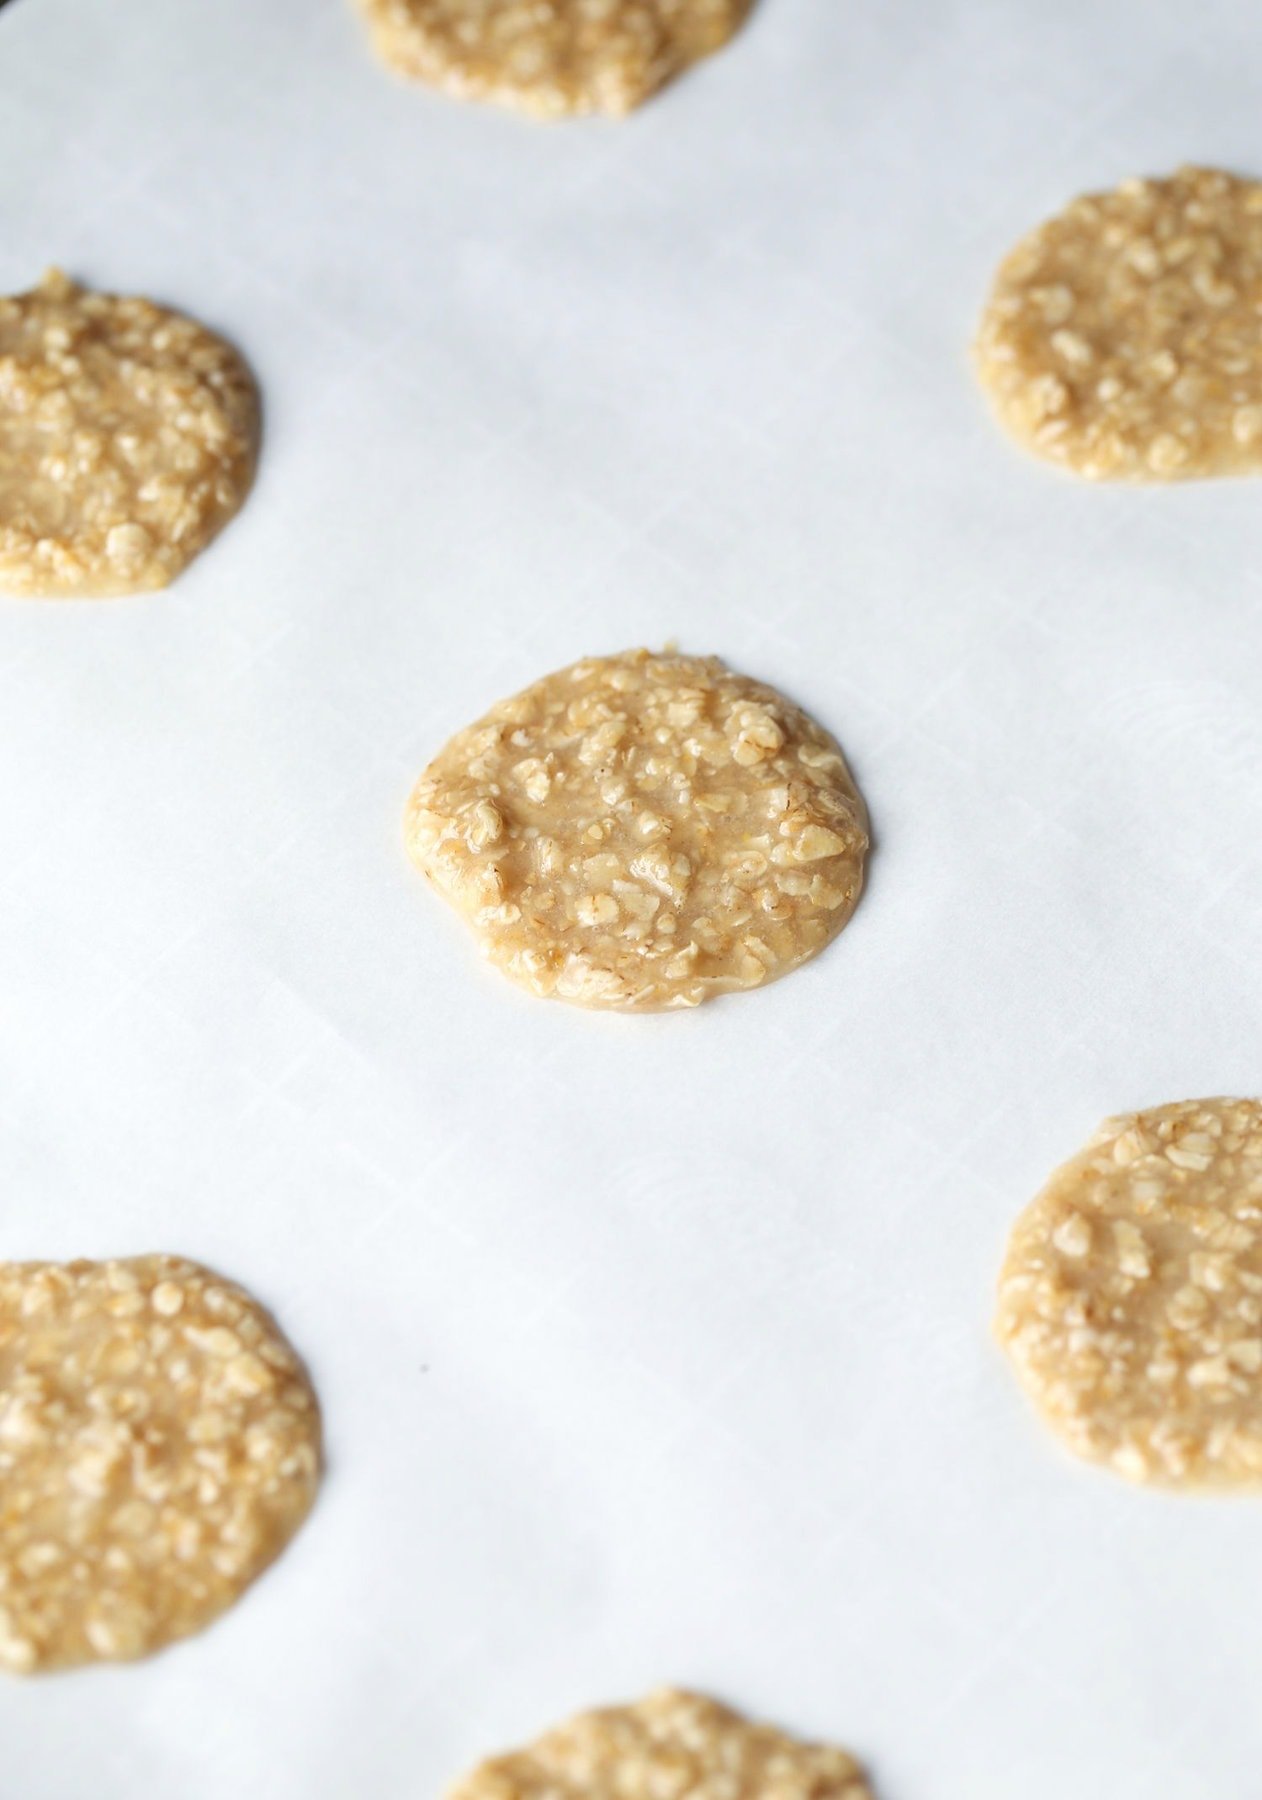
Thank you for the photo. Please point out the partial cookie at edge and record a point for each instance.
(550, 58)
(1120, 340)
(159, 1447)
(1130, 1300)
(670, 1743)
(128, 439)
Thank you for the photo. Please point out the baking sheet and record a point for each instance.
(651, 1349)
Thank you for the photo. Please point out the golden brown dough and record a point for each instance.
(128, 437)
(550, 58)
(159, 1446)
(672, 1743)
(1121, 339)
(643, 832)
(1130, 1301)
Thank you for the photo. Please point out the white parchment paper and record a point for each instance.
(650, 1349)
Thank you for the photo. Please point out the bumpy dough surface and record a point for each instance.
(550, 57)
(159, 1446)
(1121, 339)
(671, 1746)
(128, 437)
(1131, 1298)
(643, 832)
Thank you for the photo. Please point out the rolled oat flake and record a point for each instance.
(128, 438)
(1130, 1301)
(550, 58)
(643, 832)
(159, 1447)
(672, 1743)
(1121, 339)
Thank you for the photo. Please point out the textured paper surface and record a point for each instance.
(650, 1349)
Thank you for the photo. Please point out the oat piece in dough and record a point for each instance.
(643, 832)
(671, 1744)
(128, 437)
(1121, 339)
(159, 1446)
(550, 58)
(1130, 1302)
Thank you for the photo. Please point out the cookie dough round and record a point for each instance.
(128, 438)
(1130, 1302)
(550, 58)
(643, 832)
(1121, 338)
(159, 1446)
(672, 1743)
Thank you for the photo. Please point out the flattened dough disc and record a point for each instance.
(159, 1447)
(1130, 1301)
(643, 832)
(550, 58)
(1121, 339)
(128, 439)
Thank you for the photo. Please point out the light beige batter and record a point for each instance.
(159, 1446)
(550, 58)
(1121, 339)
(128, 437)
(643, 832)
(672, 1746)
(1131, 1298)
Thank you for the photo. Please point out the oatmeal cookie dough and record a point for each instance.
(1121, 339)
(672, 1743)
(643, 832)
(550, 58)
(128, 437)
(159, 1446)
(1130, 1302)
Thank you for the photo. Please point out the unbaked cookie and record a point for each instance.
(550, 57)
(672, 1744)
(1121, 339)
(128, 437)
(159, 1446)
(643, 832)
(1131, 1298)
